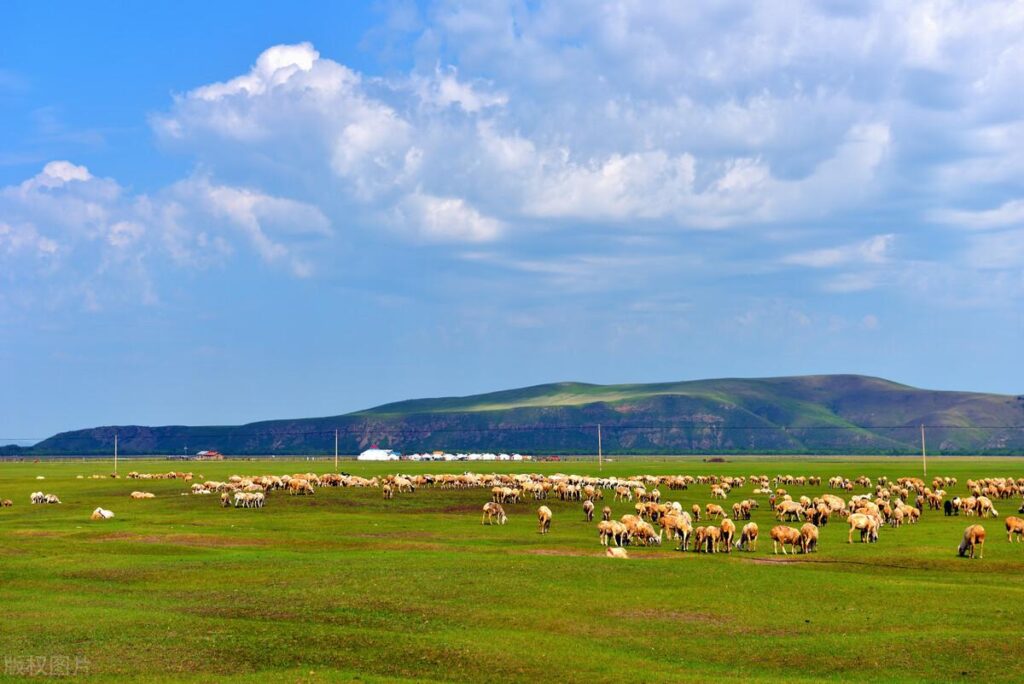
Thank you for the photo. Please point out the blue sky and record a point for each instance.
(222, 214)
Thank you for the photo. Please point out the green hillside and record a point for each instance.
(807, 414)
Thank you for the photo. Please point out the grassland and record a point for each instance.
(345, 585)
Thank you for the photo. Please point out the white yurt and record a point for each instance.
(377, 455)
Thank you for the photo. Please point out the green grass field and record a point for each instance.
(345, 585)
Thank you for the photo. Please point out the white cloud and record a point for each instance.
(1009, 213)
(445, 89)
(389, 140)
(872, 251)
(444, 219)
(993, 251)
(91, 237)
(21, 239)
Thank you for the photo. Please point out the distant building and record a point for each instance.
(209, 455)
(378, 455)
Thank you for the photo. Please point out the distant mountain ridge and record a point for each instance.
(803, 414)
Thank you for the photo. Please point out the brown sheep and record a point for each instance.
(677, 527)
(748, 537)
(606, 532)
(588, 510)
(782, 535)
(808, 538)
(1014, 527)
(387, 491)
(715, 511)
(544, 519)
(700, 536)
(790, 510)
(713, 537)
(696, 512)
(728, 534)
(974, 538)
(867, 524)
(301, 487)
(491, 511)
(606, 513)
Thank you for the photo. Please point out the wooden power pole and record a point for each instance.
(924, 455)
(335, 450)
(115, 453)
(600, 459)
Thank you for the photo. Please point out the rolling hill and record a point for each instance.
(806, 414)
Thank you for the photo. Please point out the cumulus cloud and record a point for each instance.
(534, 128)
(90, 235)
(445, 219)
(1009, 213)
(390, 142)
(872, 251)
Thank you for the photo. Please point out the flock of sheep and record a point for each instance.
(883, 502)
(865, 513)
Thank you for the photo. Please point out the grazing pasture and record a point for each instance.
(342, 582)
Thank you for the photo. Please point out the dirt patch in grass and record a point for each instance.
(637, 555)
(199, 540)
(37, 533)
(646, 614)
(554, 552)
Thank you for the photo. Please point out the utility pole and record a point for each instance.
(335, 450)
(924, 456)
(600, 459)
(115, 453)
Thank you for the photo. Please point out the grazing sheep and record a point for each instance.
(544, 519)
(615, 552)
(700, 536)
(101, 514)
(782, 535)
(748, 537)
(39, 497)
(715, 511)
(866, 524)
(225, 500)
(1014, 527)
(808, 537)
(712, 538)
(643, 532)
(983, 507)
(6, 503)
(728, 534)
(974, 538)
(141, 495)
(493, 510)
(677, 527)
(606, 532)
(249, 499)
(387, 491)
(606, 513)
(588, 510)
(790, 510)
(302, 487)
(696, 512)
(947, 507)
